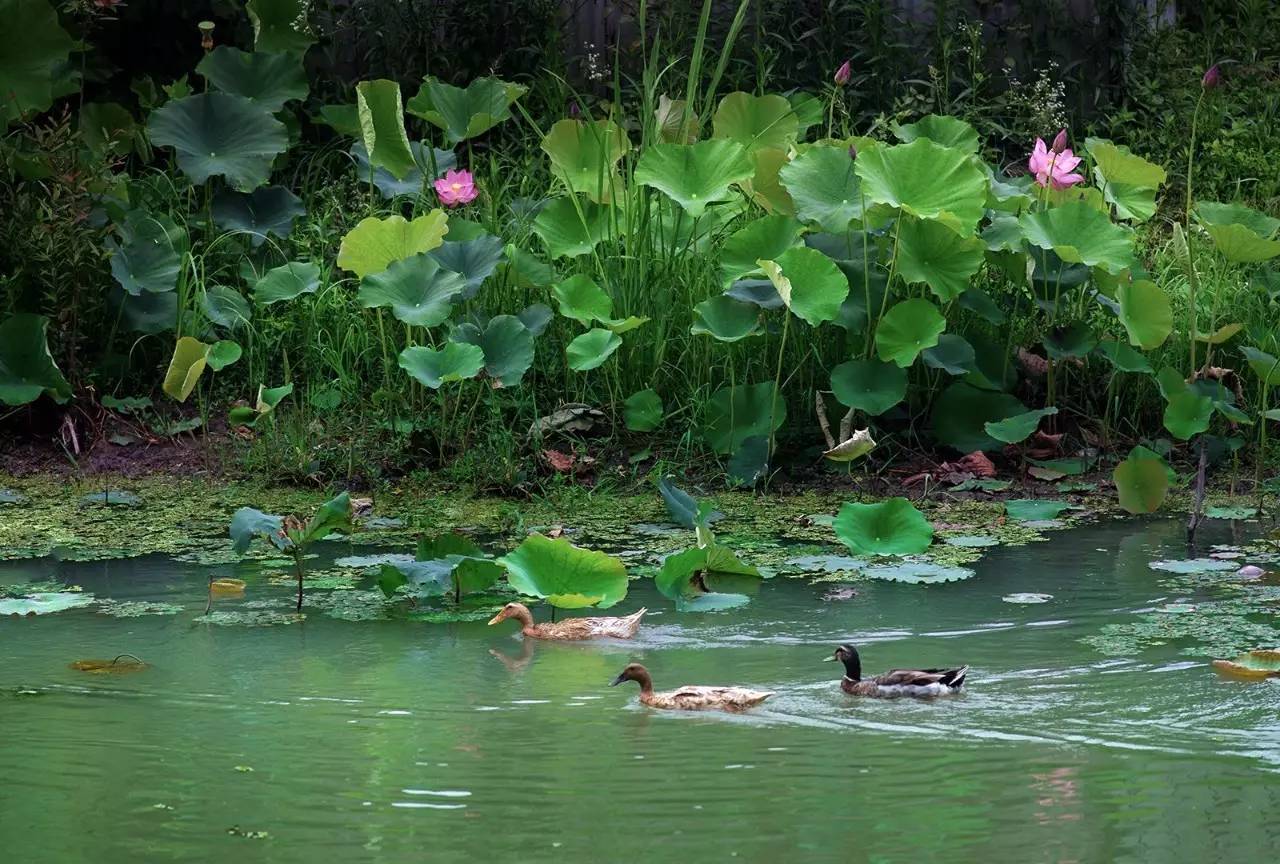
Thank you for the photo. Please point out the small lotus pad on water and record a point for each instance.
(1027, 597)
(971, 541)
(1193, 565)
(916, 573)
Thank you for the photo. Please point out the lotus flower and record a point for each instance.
(1054, 167)
(459, 187)
(843, 74)
(1212, 77)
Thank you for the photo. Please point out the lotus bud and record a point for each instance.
(206, 35)
(1060, 141)
(574, 111)
(853, 151)
(843, 74)
(1212, 77)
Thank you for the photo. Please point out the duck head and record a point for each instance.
(518, 611)
(848, 655)
(634, 672)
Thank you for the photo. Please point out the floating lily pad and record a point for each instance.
(1193, 565)
(8, 496)
(826, 564)
(363, 562)
(890, 527)
(135, 608)
(1030, 510)
(251, 618)
(917, 573)
(972, 541)
(1027, 597)
(1231, 512)
(112, 498)
(44, 603)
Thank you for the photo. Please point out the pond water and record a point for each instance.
(407, 741)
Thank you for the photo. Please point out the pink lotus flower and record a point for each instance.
(1050, 167)
(843, 74)
(458, 187)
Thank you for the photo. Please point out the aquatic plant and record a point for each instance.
(566, 576)
(289, 534)
(445, 564)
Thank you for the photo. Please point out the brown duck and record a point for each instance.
(690, 697)
(920, 683)
(572, 629)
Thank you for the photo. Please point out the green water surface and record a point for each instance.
(400, 741)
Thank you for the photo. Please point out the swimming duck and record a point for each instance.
(571, 629)
(920, 683)
(691, 697)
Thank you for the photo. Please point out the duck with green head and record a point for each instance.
(920, 683)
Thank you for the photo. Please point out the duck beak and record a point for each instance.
(616, 681)
(497, 619)
(830, 659)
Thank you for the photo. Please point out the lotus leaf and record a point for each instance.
(565, 575)
(264, 78)
(686, 576)
(1124, 358)
(872, 386)
(1194, 565)
(916, 573)
(749, 463)
(925, 180)
(1187, 413)
(809, 283)
(375, 243)
(971, 541)
(146, 313)
(417, 289)
(684, 509)
(1145, 313)
(248, 523)
(222, 354)
(1222, 511)
(428, 162)
(961, 413)
(1127, 181)
(591, 349)
(190, 356)
(765, 186)
(1019, 427)
(280, 25)
(287, 282)
(940, 129)
(525, 269)
(725, 319)
(907, 329)
(1264, 365)
(1222, 334)
(953, 354)
(1069, 340)
(267, 210)
(734, 414)
(1240, 233)
(1031, 510)
(932, 253)
(673, 126)
(149, 256)
(890, 527)
(766, 237)
(107, 128)
(507, 345)
(44, 603)
(584, 156)
(1078, 233)
(1142, 481)
(756, 122)
(465, 113)
(695, 175)
(569, 227)
(382, 129)
(34, 50)
(474, 260)
(856, 446)
(27, 368)
(643, 411)
(433, 367)
(758, 292)
(220, 135)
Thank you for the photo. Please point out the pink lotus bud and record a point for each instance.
(1212, 78)
(853, 151)
(1060, 142)
(574, 111)
(843, 74)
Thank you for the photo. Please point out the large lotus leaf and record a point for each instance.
(525, 269)
(565, 575)
(809, 283)
(149, 255)
(333, 515)
(1128, 181)
(267, 210)
(1187, 413)
(581, 299)
(1034, 510)
(932, 253)
(382, 127)
(507, 345)
(592, 349)
(190, 356)
(220, 135)
(695, 175)
(756, 122)
(869, 385)
(1124, 358)
(766, 237)
(758, 292)
(433, 367)
(473, 260)
(643, 411)
(287, 282)
(1264, 365)
(940, 129)
(33, 58)
(890, 527)
(428, 162)
(584, 155)
(925, 180)
(26, 366)
(953, 354)
(262, 77)
(734, 414)
(1069, 340)
(1081, 234)
(1240, 233)
(907, 329)
(146, 312)
(569, 228)
(465, 112)
(1142, 481)
(280, 25)
(678, 579)
(824, 187)
(222, 354)
(374, 244)
(993, 366)
(961, 413)
(418, 290)
(1145, 313)
(726, 319)
(225, 307)
(1019, 427)
(765, 186)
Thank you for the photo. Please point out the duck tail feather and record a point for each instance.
(954, 678)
